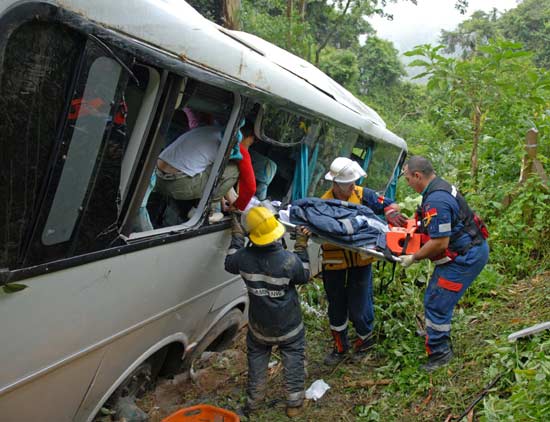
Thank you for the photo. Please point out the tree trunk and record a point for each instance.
(231, 9)
(289, 5)
(302, 9)
(529, 165)
(477, 132)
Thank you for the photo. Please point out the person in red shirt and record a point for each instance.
(247, 179)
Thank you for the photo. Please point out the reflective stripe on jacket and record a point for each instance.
(270, 274)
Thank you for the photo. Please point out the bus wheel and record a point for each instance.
(122, 401)
(218, 338)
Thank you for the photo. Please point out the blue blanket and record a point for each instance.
(340, 221)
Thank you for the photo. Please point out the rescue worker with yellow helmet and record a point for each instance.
(347, 276)
(274, 316)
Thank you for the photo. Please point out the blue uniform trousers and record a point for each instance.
(447, 285)
(349, 294)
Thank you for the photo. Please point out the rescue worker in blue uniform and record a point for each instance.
(455, 242)
(274, 316)
(347, 275)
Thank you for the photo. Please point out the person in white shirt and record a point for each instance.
(184, 167)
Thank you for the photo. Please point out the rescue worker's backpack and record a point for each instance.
(473, 223)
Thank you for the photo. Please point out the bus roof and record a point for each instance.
(176, 28)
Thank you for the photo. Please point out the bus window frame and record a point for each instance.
(140, 130)
(62, 250)
(220, 162)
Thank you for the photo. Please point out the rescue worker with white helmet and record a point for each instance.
(274, 316)
(347, 275)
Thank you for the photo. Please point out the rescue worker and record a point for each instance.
(457, 247)
(274, 315)
(347, 275)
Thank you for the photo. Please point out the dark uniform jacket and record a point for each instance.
(270, 274)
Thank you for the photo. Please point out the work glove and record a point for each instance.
(237, 230)
(406, 260)
(394, 217)
(301, 240)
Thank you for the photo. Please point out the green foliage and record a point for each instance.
(268, 20)
(526, 365)
(519, 235)
(327, 34)
(474, 100)
(528, 24)
(471, 34)
(13, 287)
(210, 9)
(379, 64)
(340, 65)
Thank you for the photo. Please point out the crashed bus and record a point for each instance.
(101, 292)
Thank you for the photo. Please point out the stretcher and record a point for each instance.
(359, 249)
(399, 240)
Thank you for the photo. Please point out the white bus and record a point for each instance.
(105, 283)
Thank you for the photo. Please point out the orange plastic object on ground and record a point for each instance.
(202, 413)
(396, 237)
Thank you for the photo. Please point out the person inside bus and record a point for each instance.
(247, 176)
(264, 169)
(183, 168)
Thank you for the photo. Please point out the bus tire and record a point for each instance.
(220, 336)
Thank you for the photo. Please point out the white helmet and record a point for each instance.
(344, 170)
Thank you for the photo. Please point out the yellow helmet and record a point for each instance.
(263, 227)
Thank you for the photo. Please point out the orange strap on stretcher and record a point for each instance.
(399, 237)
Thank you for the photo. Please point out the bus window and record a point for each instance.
(283, 137)
(282, 127)
(382, 160)
(334, 141)
(186, 161)
(140, 99)
(81, 208)
(37, 67)
(91, 115)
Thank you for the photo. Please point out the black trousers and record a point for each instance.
(293, 354)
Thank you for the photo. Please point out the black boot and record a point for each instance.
(437, 360)
(340, 350)
(362, 346)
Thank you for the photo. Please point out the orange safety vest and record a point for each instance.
(336, 258)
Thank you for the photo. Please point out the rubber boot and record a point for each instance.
(437, 360)
(340, 350)
(362, 346)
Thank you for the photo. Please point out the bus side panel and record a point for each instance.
(52, 397)
(170, 287)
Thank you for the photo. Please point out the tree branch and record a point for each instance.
(331, 33)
